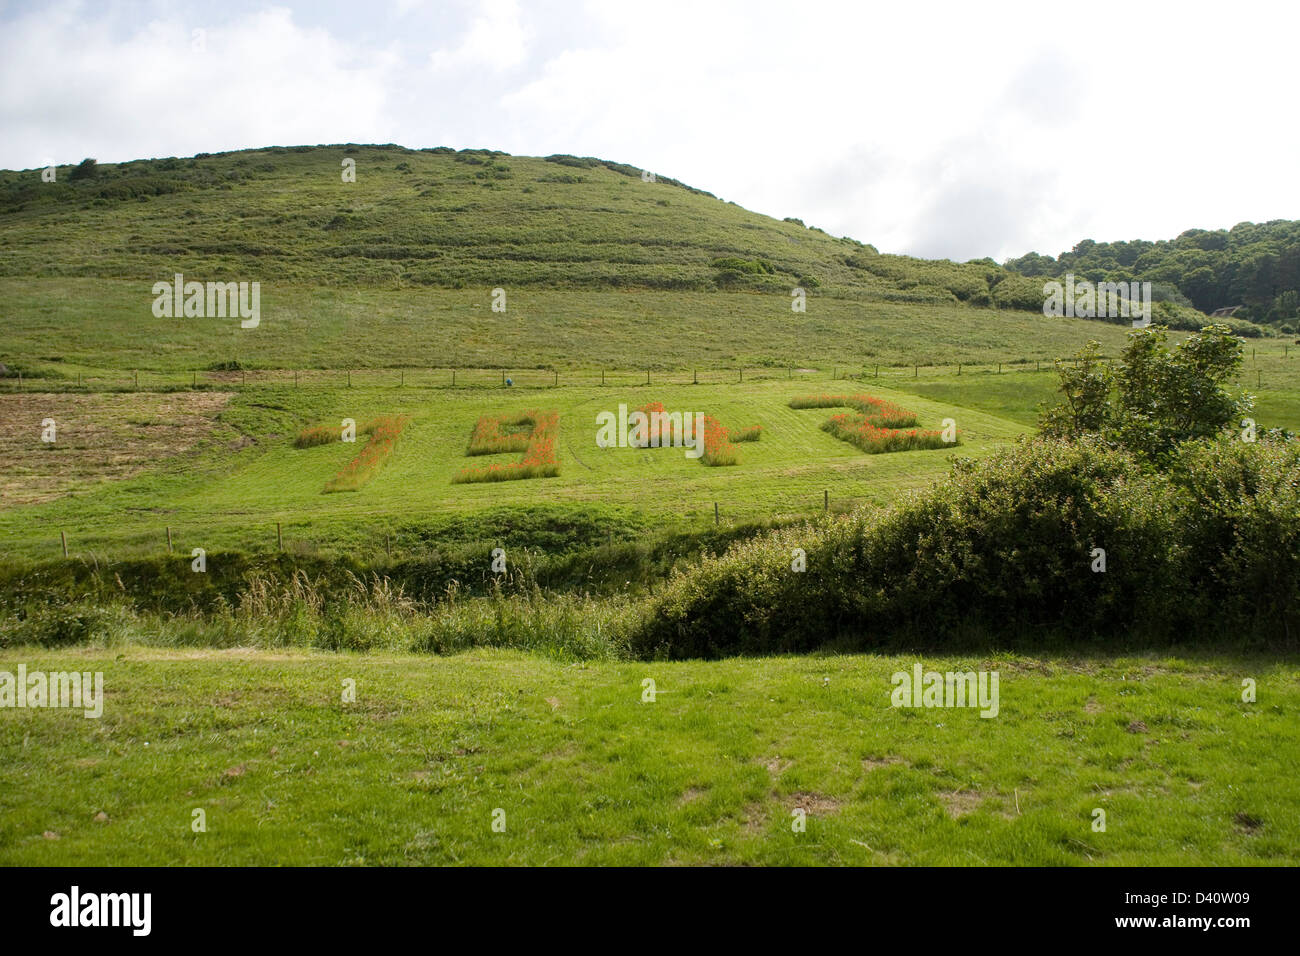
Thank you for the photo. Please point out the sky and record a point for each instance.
(943, 130)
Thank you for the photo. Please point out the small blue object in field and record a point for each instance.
(510, 381)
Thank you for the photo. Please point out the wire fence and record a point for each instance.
(483, 378)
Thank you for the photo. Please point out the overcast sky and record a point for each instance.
(942, 130)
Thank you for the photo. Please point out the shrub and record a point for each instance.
(1241, 521)
(1002, 546)
(86, 169)
(59, 625)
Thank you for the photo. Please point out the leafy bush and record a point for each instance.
(1156, 398)
(86, 169)
(1006, 546)
(59, 625)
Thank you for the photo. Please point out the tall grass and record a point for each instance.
(498, 434)
(538, 445)
(369, 614)
(876, 426)
(314, 435)
(719, 447)
(881, 413)
(383, 434)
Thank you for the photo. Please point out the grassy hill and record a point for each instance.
(434, 218)
(448, 220)
(377, 298)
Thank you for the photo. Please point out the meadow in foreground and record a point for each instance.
(586, 770)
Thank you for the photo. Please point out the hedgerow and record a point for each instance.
(1009, 546)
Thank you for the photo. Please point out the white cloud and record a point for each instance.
(495, 39)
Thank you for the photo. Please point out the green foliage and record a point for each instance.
(86, 169)
(1254, 265)
(1162, 397)
(1086, 383)
(1005, 547)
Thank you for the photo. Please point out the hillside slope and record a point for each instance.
(442, 218)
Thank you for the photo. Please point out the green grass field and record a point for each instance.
(239, 473)
(377, 301)
(709, 773)
(248, 476)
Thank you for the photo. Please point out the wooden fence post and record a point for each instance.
(826, 503)
(169, 539)
(279, 538)
(716, 519)
(63, 537)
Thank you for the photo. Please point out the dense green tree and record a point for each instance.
(1249, 265)
(86, 169)
(1157, 398)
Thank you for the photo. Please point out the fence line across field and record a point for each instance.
(467, 378)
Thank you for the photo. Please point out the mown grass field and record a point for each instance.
(246, 475)
(710, 772)
(218, 465)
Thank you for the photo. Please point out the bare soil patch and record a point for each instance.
(98, 437)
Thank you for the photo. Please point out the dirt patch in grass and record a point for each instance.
(777, 765)
(753, 817)
(98, 437)
(958, 803)
(691, 795)
(814, 804)
(875, 763)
